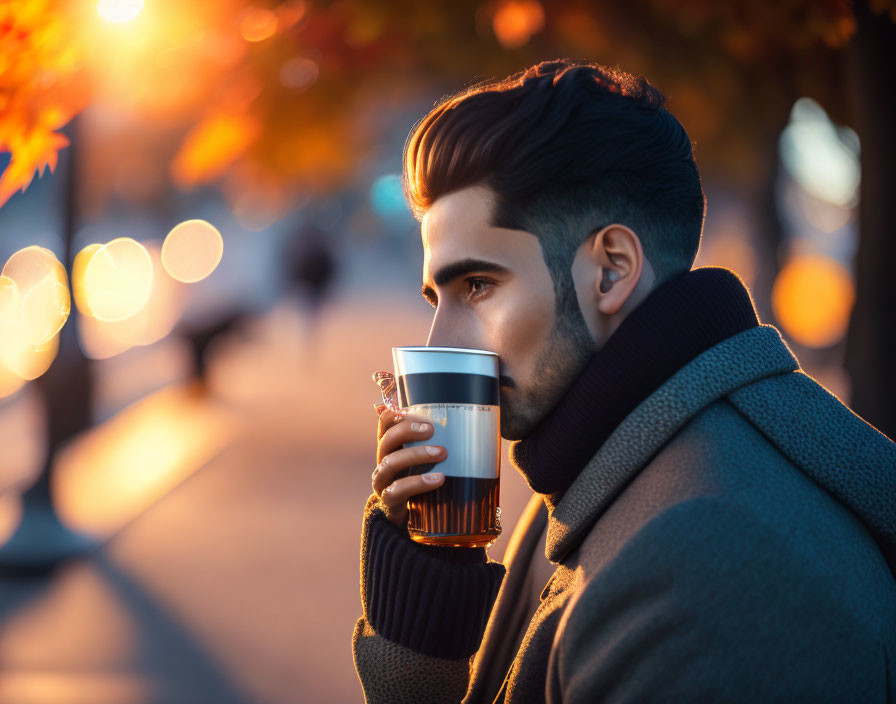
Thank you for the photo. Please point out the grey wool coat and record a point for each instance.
(733, 540)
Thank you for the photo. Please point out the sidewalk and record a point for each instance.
(241, 584)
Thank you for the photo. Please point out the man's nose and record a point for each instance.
(447, 333)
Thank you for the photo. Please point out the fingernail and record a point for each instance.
(419, 427)
(433, 450)
(433, 477)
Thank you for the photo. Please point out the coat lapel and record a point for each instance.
(739, 360)
(496, 653)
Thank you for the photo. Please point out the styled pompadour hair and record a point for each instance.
(566, 148)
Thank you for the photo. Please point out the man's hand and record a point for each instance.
(394, 430)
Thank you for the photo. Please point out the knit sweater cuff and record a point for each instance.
(432, 599)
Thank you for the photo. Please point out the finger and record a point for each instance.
(413, 427)
(386, 419)
(396, 495)
(391, 465)
(389, 418)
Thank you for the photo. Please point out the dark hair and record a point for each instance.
(566, 148)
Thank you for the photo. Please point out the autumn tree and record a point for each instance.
(274, 101)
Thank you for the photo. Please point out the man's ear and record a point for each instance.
(617, 252)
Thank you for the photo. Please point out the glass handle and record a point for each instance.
(385, 381)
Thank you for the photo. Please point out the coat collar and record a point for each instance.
(681, 318)
(736, 361)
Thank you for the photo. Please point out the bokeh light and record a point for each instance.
(821, 157)
(212, 146)
(299, 72)
(34, 305)
(258, 24)
(30, 361)
(10, 382)
(34, 297)
(79, 266)
(192, 251)
(117, 279)
(515, 21)
(103, 339)
(824, 216)
(812, 298)
(119, 10)
(387, 197)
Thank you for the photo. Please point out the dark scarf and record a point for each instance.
(678, 320)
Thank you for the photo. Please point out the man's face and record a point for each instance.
(493, 291)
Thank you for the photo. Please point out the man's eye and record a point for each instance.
(478, 286)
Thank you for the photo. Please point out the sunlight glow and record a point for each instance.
(112, 472)
(119, 10)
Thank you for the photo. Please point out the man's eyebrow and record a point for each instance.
(454, 270)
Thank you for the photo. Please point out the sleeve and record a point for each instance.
(424, 611)
(707, 604)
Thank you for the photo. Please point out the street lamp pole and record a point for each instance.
(41, 540)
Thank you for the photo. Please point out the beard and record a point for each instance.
(567, 350)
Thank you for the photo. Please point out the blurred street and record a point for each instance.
(241, 583)
(209, 244)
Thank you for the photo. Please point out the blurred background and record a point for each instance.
(206, 253)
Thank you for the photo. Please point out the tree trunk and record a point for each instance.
(871, 341)
(41, 541)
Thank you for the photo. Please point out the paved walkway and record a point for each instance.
(240, 584)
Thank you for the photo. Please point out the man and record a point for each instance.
(715, 524)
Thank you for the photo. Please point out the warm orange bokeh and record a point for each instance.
(812, 299)
(34, 305)
(515, 21)
(10, 382)
(192, 251)
(34, 297)
(116, 280)
(211, 147)
(257, 24)
(103, 339)
(30, 361)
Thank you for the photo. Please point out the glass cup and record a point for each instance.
(457, 389)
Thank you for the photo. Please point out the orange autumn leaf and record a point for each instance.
(212, 146)
(30, 153)
(42, 87)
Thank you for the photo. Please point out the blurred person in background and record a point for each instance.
(708, 522)
(311, 268)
